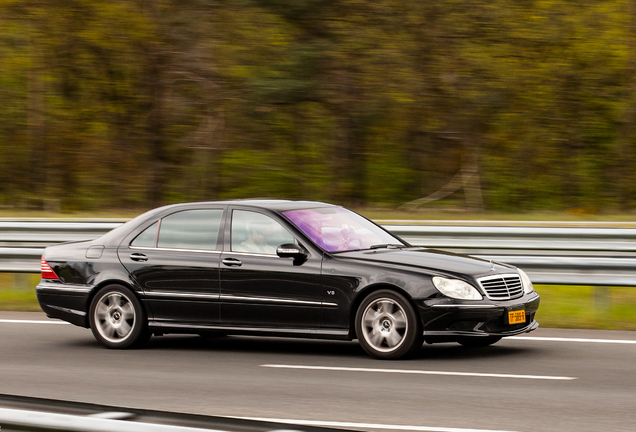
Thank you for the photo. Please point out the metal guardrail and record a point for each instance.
(22, 413)
(562, 253)
(23, 420)
(22, 242)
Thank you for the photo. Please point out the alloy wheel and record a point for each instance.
(384, 324)
(115, 317)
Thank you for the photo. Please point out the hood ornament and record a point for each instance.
(492, 266)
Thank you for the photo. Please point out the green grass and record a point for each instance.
(17, 292)
(19, 300)
(606, 308)
(582, 307)
(440, 215)
(375, 213)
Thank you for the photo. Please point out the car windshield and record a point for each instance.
(337, 229)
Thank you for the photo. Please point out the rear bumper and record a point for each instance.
(64, 301)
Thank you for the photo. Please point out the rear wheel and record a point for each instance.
(117, 319)
(477, 342)
(387, 327)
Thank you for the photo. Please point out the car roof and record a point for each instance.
(271, 204)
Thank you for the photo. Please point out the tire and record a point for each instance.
(478, 342)
(117, 319)
(387, 327)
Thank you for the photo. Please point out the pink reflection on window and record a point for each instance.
(338, 229)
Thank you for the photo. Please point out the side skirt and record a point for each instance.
(166, 328)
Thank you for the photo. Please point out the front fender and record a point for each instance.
(347, 282)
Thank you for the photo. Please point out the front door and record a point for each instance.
(260, 289)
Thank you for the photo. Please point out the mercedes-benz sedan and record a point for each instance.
(281, 268)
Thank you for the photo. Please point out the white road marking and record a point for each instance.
(555, 339)
(419, 372)
(363, 425)
(31, 322)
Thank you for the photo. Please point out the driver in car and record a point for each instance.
(259, 234)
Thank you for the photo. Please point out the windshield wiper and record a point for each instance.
(388, 246)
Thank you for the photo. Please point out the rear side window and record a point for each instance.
(188, 229)
(147, 237)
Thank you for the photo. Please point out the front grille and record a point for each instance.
(502, 287)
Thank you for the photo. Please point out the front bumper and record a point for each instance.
(448, 320)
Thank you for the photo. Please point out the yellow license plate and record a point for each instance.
(516, 317)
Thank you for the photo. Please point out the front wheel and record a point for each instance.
(117, 319)
(387, 327)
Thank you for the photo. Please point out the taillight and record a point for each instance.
(47, 271)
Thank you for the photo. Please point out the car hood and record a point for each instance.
(431, 260)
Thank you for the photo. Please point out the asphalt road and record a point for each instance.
(519, 384)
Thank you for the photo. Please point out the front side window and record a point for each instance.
(256, 233)
(188, 229)
(337, 229)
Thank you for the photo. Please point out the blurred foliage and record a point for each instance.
(136, 103)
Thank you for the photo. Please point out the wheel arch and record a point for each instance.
(103, 283)
(137, 332)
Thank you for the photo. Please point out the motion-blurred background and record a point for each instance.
(503, 105)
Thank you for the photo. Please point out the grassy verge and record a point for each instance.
(437, 215)
(374, 213)
(19, 300)
(17, 292)
(606, 308)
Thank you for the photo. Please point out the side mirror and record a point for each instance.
(291, 250)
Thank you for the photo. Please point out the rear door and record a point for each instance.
(175, 261)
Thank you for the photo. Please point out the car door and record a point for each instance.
(258, 288)
(175, 262)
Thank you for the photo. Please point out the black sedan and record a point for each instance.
(280, 268)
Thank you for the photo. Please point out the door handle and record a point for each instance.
(230, 262)
(138, 257)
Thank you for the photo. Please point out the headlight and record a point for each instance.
(456, 289)
(527, 283)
